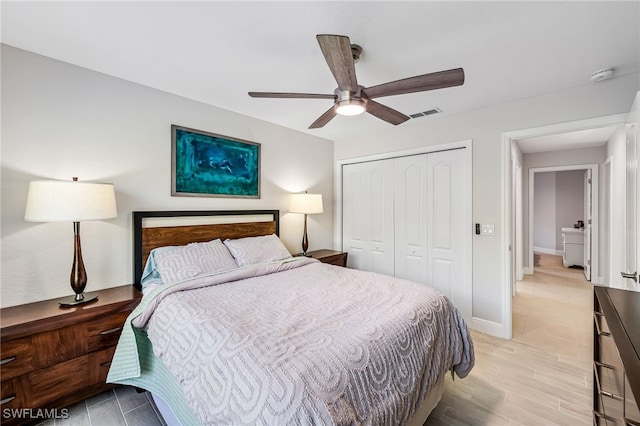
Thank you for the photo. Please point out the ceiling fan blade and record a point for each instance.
(290, 95)
(420, 83)
(337, 52)
(324, 118)
(385, 113)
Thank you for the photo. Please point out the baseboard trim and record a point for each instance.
(489, 327)
(547, 251)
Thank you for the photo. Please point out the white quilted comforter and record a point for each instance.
(305, 343)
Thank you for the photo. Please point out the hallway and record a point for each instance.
(553, 310)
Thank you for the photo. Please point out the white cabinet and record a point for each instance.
(572, 247)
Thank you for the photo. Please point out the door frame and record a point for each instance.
(508, 139)
(595, 226)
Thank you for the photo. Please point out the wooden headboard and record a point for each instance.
(146, 238)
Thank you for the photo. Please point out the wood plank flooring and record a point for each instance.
(543, 375)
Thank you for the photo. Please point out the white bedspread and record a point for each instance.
(301, 342)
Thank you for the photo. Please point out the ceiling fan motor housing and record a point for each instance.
(350, 103)
(356, 51)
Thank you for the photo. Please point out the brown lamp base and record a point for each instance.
(74, 301)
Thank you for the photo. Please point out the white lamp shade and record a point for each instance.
(306, 203)
(69, 201)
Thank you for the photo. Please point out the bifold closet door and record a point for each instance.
(448, 227)
(367, 209)
(409, 217)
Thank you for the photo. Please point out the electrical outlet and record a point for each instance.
(488, 230)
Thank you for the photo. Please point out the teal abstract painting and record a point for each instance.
(210, 165)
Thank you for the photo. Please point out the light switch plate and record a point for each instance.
(488, 230)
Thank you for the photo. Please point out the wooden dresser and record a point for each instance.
(53, 357)
(616, 357)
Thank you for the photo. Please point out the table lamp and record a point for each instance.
(306, 204)
(71, 201)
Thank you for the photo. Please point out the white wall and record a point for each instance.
(544, 212)
(616, 153)
(60, 121)
(569, 201)
(558, 203)
(485, 127)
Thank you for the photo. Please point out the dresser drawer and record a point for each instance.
(104, 332)
(12, 395)
(50, 384)
(609, 379)
(60, 345)
(99, 363)
(612, 406)
(17, 358)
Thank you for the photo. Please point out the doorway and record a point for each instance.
(586, 213)
(512, 247)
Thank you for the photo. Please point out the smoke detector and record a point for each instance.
(601, 75)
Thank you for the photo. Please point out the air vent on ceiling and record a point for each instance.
(425, 113)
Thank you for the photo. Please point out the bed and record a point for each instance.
(232, 329)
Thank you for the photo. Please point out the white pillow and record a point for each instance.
(178, 263)
(250, 250)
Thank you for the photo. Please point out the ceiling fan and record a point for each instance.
(350, 98)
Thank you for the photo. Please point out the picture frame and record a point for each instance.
(205, 164)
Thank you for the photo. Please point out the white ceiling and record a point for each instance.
(215, 52)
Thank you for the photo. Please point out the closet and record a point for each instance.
(409, 217)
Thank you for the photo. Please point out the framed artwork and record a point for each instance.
(205, 164)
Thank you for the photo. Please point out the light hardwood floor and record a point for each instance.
(543, 375)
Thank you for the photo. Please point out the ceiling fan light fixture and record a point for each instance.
(351, 106)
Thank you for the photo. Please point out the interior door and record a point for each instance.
(588, 223)
(632, 212)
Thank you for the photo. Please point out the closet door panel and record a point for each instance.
(442, 272)
(368, 215)
(410, 218)
(447, 197)
(442, 176)
(353, 238)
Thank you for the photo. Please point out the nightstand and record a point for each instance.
(52, 357)
(332, 257)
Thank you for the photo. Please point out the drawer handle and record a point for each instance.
(611, 395)
(111, 331)
(602, 364)
(105, 364)
(7, 360)
(600, 333)
(7, 399)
